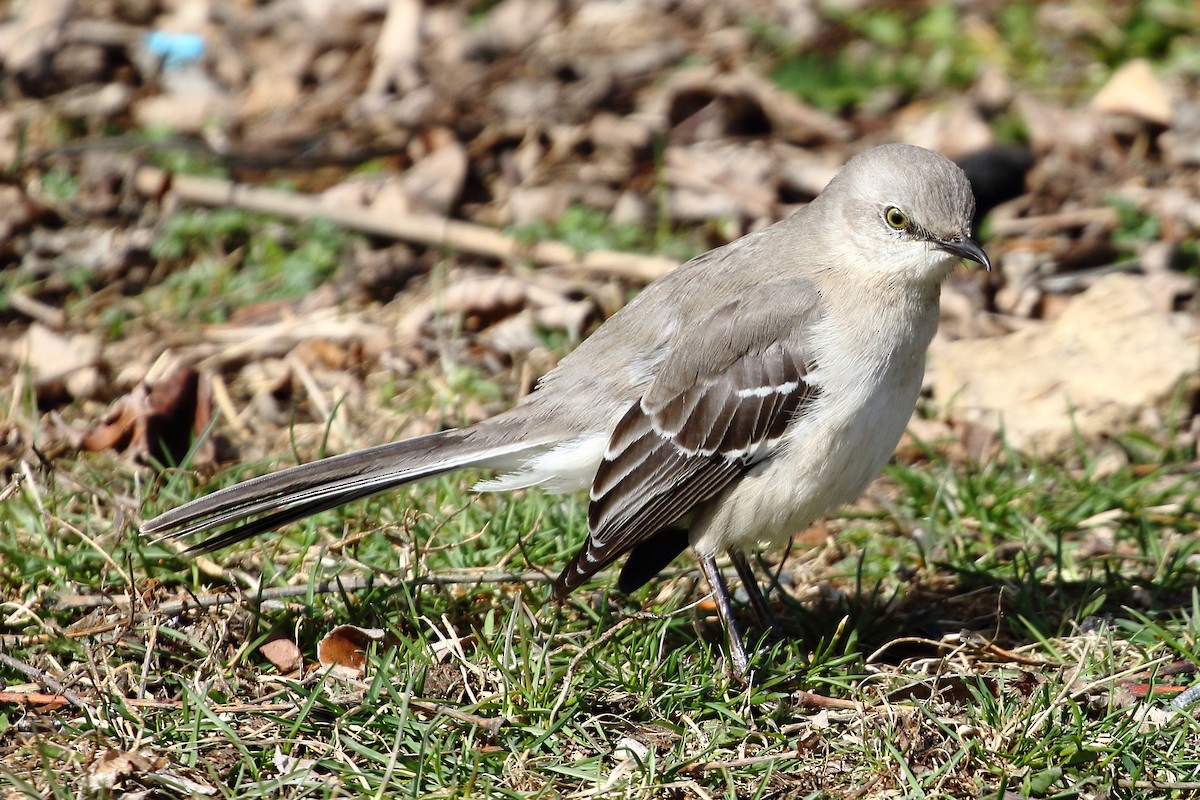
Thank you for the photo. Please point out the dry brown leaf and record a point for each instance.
(434, 183)
(955, 128)
(111, 767)
(720, 180)
(483, 301)
(512, 25)
(283, 654)
(397, 51)
(344, 649)
(157, 422)
(35, 30)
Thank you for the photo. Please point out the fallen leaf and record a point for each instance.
(283, 654)
(111, 767)
(344, 649)
(483, 301)
(159, 422)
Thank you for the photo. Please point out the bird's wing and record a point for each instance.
(720, 402)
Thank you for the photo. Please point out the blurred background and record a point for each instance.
(657, 128)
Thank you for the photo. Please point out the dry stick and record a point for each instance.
(40, 700)
(228, 708)
(491, 724)
(735, 763)
(1053, 223)
(425, 229)
(592, 645)
(1183, 786)
(51, 317)
(813, 700)
(40, 676)
(14, 485)
(282, 592)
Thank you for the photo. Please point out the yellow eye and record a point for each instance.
(896, 218)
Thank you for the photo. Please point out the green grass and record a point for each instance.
(235, 258)
(607, 691)
(587, 229)
(881, 54)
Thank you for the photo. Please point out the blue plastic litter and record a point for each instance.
(177, 50)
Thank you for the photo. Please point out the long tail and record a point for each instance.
(298, 492)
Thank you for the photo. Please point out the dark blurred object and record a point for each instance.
(997, 174)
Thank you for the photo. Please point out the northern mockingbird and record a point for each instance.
(728, 405)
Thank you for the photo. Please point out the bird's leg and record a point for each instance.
(758, 602)
(737, 650)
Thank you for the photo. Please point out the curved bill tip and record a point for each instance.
(966, 248)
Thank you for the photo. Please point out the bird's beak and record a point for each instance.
(965, 248)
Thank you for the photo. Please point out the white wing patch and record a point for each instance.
(764, 391)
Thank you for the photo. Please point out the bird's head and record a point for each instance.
(907, 210)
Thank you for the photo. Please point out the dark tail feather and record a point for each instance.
(298, 492)
(651, 557)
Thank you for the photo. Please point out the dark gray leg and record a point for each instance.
(739, 663)
(761, 610)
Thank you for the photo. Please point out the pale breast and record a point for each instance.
(829, 456)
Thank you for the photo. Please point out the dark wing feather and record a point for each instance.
(663, 462)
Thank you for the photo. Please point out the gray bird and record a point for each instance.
(730, 404)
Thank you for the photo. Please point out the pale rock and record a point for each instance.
(1110, 355)
(1135, 91)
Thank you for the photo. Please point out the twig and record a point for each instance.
(220, 394)
(1053, 223)
(813, 700)
(228, 708)
(41, 677)
(1183, 786)
(48, 702)
(592, 645)
(491, 724)
(425, 229)
(350, 584)
(14, 485)
(51, 317)
(736, 763)
(965, 643)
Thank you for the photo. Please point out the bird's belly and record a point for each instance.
(828, 460)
